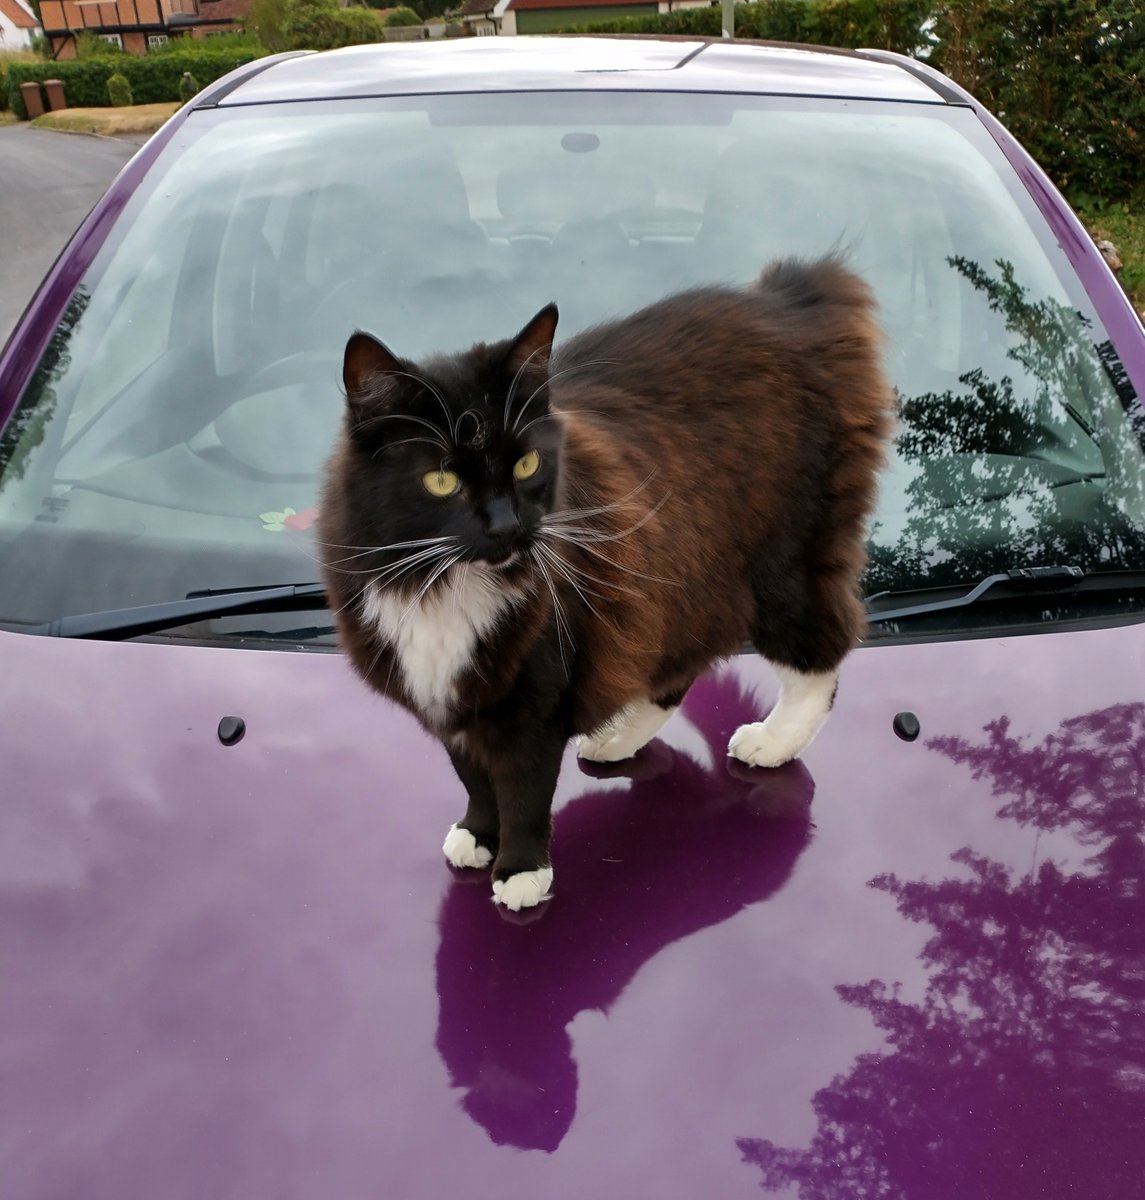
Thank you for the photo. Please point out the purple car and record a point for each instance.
(233, 962)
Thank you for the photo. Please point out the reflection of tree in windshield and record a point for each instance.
(30, 421)
(1041, 465)
(1021, 1071)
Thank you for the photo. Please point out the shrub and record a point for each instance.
(119, 91)
(401, 16)
(322, 25)
(188, 87)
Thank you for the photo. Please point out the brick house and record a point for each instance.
(18, 26)
(136, 25)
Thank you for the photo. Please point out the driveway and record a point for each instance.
(50, 182)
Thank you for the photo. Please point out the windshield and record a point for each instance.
(173, 437)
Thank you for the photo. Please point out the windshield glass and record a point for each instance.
(173, 436)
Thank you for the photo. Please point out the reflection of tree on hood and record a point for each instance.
(684, 847)
(1021, 1072)
(1040, 466)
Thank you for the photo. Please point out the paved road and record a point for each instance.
(48, 182)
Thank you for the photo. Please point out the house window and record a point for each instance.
(156, 39)
(114, 38)
(486, 30)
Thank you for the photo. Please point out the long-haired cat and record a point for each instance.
(524, 545)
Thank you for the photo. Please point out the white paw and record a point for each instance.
(629, 731)
(524, 890)
(462, 850)
(607, 746)
(759, 746)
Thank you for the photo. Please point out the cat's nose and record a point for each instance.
(501, 521)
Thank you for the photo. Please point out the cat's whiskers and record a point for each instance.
(558, 415)
(403, 564)
(416, 543)
(575, 578)
(440, 439)
(600, 509)
(550, 379)
(425, 383)
(513, 384)
(589, 538)
(563, 630)
(389, 575)
(423, 591)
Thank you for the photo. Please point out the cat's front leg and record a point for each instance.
(524, 774)
(472, 841)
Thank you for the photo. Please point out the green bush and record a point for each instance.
(153, 78)
(401, 16)
(119, 92)
(322, 25)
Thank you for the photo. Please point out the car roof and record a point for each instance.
(579, 63)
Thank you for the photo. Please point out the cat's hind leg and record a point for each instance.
(805, 699)
(629, 730)
(805, 626)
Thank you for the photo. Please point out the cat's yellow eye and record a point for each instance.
(441, 483)
(527, 465)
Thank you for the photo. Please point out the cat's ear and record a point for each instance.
(533, 345)
(364, 369)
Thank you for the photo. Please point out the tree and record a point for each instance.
(267, 20)
(401, 16)
(322, 25)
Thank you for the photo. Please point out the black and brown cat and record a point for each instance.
(525, 545)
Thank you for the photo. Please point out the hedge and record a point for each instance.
(154, 78)
(885, 24)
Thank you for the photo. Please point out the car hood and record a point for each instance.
(894, 968)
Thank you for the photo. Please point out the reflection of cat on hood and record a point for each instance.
(685, 847)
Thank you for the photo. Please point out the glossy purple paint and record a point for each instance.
(891, 969)
(247, 971)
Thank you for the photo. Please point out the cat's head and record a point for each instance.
(456, 458)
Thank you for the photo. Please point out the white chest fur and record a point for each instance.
(435, 639)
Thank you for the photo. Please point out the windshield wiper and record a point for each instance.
(121, 623)
(1007, 585)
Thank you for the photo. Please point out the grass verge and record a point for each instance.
(110, 122)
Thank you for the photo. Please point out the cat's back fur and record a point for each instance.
(750, 425)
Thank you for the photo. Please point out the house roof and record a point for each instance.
(223, 10)
(475, 8)
(18, 15)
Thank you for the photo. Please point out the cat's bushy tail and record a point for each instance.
(799, 283)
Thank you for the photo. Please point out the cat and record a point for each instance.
(524, 545)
